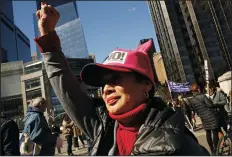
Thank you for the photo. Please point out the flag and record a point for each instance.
(178, 87)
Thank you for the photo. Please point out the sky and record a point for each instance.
(107, 24)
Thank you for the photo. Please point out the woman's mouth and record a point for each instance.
(112, 100)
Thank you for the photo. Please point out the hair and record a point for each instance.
(66, 117)
(139, 78)
(37, 102)
(194, 87)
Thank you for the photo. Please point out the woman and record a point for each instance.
(205, 110)
(131, 122)
(67, 125)
(77, 134)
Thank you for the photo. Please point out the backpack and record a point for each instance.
(27, 146)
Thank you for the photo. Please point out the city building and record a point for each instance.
(92, 56)
(34, 82)
(15, 46)
(34, 56)
(69, 28)
(190, 32)
(159, 67)
(11, 96)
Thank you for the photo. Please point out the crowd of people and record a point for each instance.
(212, 107)
(128, 120)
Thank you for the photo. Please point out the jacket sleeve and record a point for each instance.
(208, 102)
(39, 132)
(67, 88)
(222, 100)
(11, 140)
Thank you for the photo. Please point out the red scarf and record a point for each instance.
(126, 136)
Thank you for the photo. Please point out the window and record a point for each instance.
(33, 94)
(32, 83)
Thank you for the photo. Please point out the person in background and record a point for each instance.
(9, 137)
(56, 131)
(204, 108)
(130, 122)
(190, 112)
(36, 126)
(68, 124)
(185, 109)
(177, 106)
(77, 134)
(219, 100)
(229, 104)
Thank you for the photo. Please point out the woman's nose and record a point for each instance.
(108, 89)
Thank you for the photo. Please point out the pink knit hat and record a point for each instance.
(122, 61)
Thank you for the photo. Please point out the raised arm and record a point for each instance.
(76, 102)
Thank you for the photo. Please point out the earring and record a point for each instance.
(146, 95)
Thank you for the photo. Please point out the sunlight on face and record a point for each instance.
(122, 92)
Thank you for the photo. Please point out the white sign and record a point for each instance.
(206, 64)
(206, 71)
(116, 57)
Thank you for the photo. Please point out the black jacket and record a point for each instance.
(9, 138)
(203, 106)
(163, 132)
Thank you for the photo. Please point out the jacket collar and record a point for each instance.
(34, 109)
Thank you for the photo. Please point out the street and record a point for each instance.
(82, 151)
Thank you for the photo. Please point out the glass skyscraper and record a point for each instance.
(14, 44)
(190, 32)
(68, 28)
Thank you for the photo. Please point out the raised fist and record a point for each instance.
(48, 17)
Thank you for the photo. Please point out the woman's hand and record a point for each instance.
(48, 17)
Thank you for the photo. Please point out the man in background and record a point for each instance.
(9, 137)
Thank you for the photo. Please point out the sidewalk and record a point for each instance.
(82, 151)
(201, 134)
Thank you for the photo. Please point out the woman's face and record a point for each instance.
(123, 93)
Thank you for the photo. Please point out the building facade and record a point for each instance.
(188, 33)
(159, 67)
(11, 96)
(69, 28)
(35, 83)
(15, 46)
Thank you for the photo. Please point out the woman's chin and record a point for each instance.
(114, 111)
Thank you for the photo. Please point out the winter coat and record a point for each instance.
(220, 101)
(76, 131)
(67, 128)
(162, 133)
(203, 106)
(55, 130)
(36, 126)
(9, 138)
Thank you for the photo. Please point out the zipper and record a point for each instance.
(94, 142)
